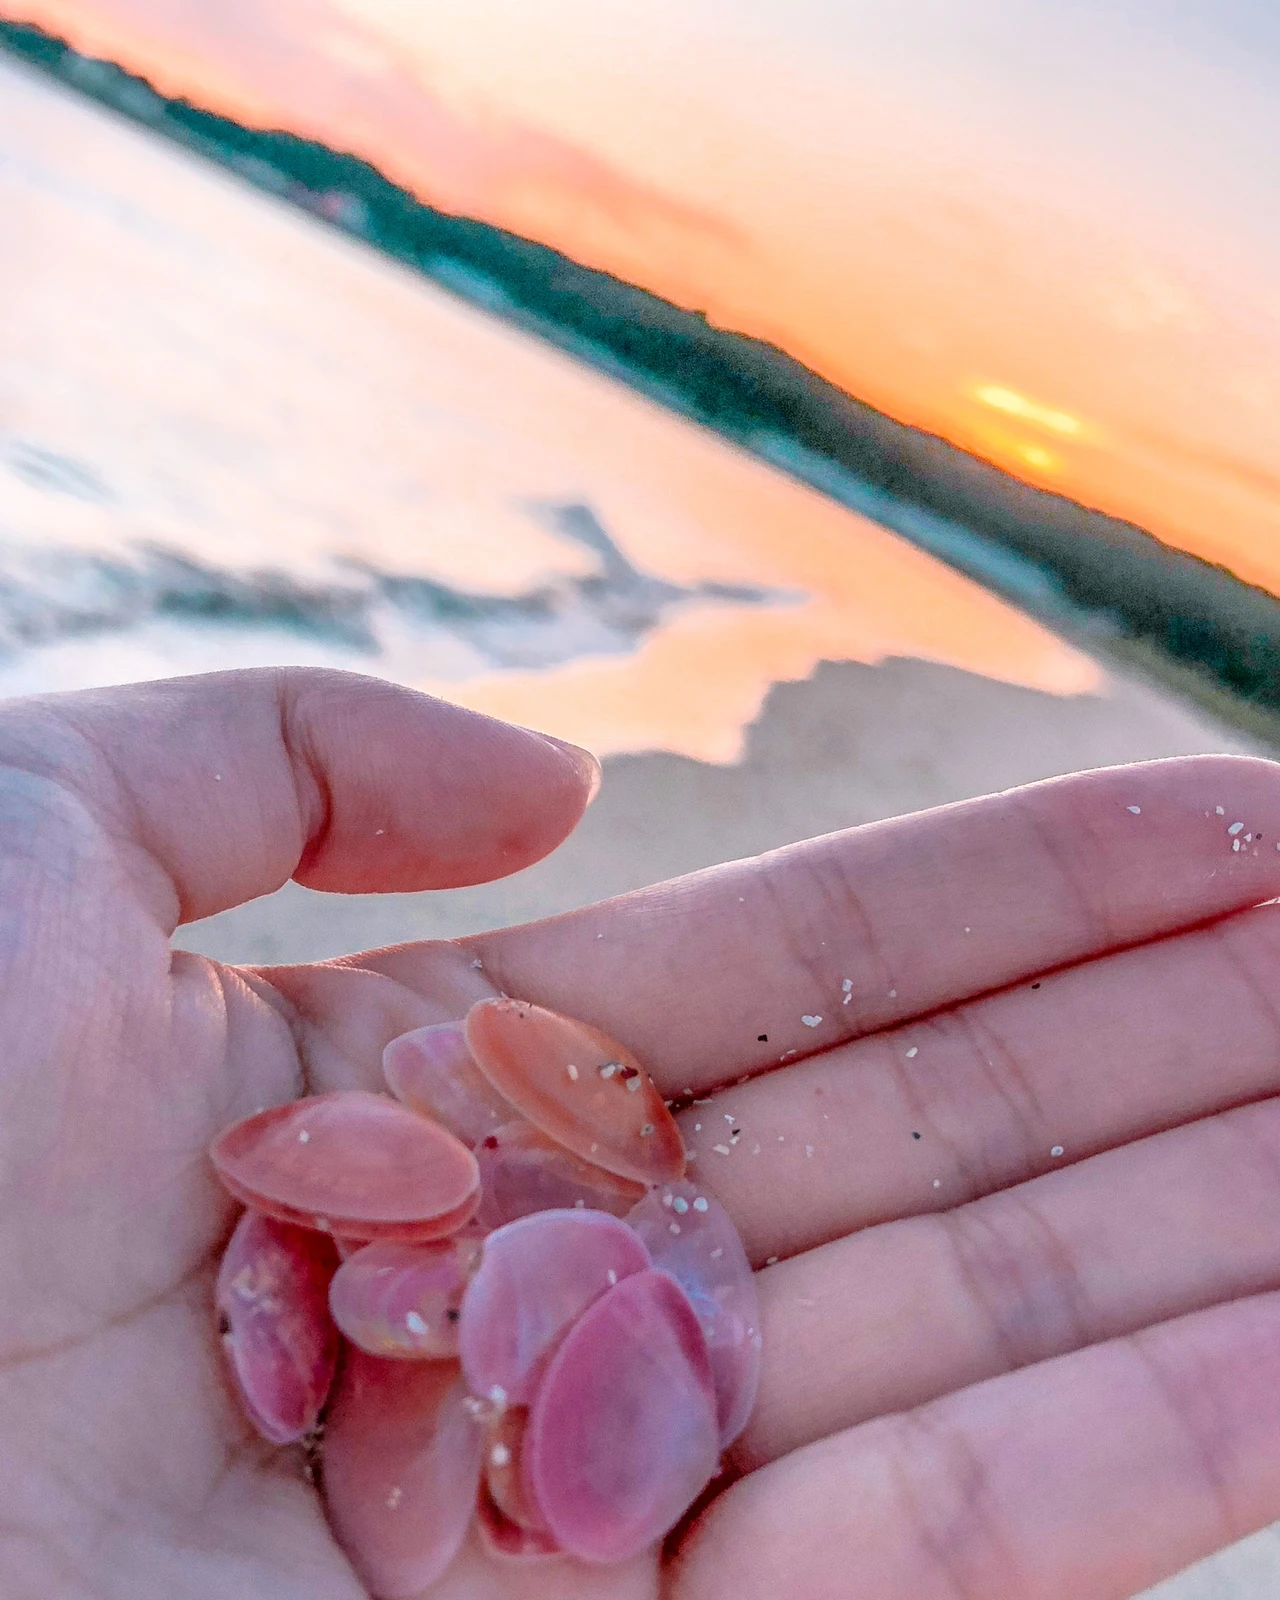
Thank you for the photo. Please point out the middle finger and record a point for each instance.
(948, 1108)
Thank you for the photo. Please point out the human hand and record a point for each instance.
(989, 1370)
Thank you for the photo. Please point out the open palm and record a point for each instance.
(1016, 1155)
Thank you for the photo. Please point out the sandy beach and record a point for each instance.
(851, 744)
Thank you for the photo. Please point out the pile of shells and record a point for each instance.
(493, 1298)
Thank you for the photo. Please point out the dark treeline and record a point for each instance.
(1045, 550)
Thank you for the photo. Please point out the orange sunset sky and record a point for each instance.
(1046, 232)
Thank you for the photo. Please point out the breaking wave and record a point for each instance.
(51, 594)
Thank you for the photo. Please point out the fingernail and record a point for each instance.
(585, 762)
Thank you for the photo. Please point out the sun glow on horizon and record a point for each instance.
(1017, 405)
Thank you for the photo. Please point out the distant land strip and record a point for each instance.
(1116, 588)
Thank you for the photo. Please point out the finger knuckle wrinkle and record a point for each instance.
(1190, 1399)
(1237, 942)
(1067, 853)
(1015, 1136)
(1021, 1279)
(811, 895)
(950, 1507)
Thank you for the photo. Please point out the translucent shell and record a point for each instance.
(693, 1238)
(401, 1471)
(508, 1540)
(579, 1086)
(503, 1469)
(431, 1071)
(272, 1295)
(522, 1170)
(350, 1163)
(622, 1433)
(400, 1301)
(536, 1278)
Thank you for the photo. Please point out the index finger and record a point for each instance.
(735, 969)
(219, 788)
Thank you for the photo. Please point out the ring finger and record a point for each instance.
(896, 1315)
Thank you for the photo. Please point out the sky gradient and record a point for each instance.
(1046, 232)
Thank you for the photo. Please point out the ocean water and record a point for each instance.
(229, 437)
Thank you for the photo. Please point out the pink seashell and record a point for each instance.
(507, 1540)
(400, 1301)
(692, 1237)
(622, 1433)
(503, 1469)
(272, 1295)
(536, 1277)
(432, 1071)
(608, 1360)
(350, 1163)
(579, 1086)
(401, 1471)
(522, 1171)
